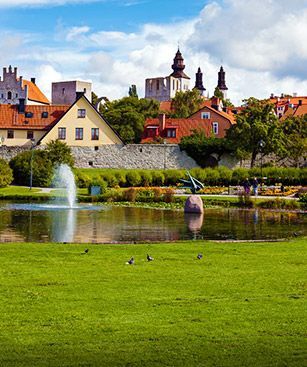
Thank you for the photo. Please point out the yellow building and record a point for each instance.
(77, 125)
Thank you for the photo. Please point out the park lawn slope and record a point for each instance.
(243, 304)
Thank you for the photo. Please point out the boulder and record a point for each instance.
(194, 204)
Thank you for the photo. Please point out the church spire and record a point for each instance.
(199, 82)
(178, 66)
(221, 84)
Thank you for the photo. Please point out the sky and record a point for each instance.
(116, 43)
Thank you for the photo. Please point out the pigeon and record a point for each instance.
(149, 258)
(86, 251)
(131, 261)
(199, 256)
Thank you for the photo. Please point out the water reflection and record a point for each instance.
(118, 224)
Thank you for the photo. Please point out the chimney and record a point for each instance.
(33, 80)
(300, 102)
(79, 95)
(21, 106)
(272, 95)
(161, 122)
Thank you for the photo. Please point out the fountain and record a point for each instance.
(64, 178)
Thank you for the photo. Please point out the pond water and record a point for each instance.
(99, 224)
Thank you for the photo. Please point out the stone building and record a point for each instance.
(64, 93)
(165, 88)
(14, 88)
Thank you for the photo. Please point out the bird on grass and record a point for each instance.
(149, 258)
(131, 261)
(85, 251)
(199, 256)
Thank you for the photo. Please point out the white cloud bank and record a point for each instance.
(261, 45)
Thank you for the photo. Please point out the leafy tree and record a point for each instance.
(59, 153)
(133, 91)
(200, 147)
(256, 122)
(127, 116)
(186, 103)
(41, 168)
(295, 130)
(6, 173)
(218, 93)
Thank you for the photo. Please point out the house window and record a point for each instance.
(29, 114)
(81, 112)
(2, 95)
(157, 84)
(63, 91)
(151, 132)
(171, 133)
(9, 95)
(16, 95)
(215, 128)
(30, 134)
(62, 133)
(95, 133)
(79, 133)
(10, 134)
(205, 115)
(44, 115)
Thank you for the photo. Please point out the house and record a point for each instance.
(77, 125)
(210, 118)
(14, 88)
(285, 106)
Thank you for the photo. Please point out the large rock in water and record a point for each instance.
(194, 204)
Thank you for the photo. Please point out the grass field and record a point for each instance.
(243, 304)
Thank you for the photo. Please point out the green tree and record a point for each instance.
(256, 122)
(59, 152)
(218, 93)
(186, 103)
(295, 131)
(127, 116)
(200, 147)
(6, 173)
(133, 91)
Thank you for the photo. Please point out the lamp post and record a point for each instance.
(261, 146)
(31, 162)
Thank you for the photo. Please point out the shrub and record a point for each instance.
(133, 178)
(238, 175)
(98, 182)
(172, 176)
(121, 178)
(42, 168)
(111, 195)
(110, 178)
(6, 173)
(146, 178)
(157, 178)
(168, 196)
(130, 194)
(82, 180)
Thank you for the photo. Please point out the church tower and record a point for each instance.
(178, 66)
(199, 82)
(221, 84)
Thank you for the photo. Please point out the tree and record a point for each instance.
(132, 91)
(6, 173)
(295, 131)
(59, 152)
(256, 122)
(186, 103)
(127, 116)
(200, 147)
(218, 93)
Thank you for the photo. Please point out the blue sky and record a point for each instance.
(117, 43)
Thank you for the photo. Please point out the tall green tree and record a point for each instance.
(127, 116)
(186, 103)
(254, 124)
(59, 152)
(132, 91)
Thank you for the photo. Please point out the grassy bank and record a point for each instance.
(243, 304)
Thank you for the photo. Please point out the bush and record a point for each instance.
(168, 196)
(157, 178)
(279, 204)
(172, 176)
(98, 182)
(42, 169)
(133, 178)
(82, 180)
(146, 178)
(130, 194)
(6, 173)
(109, 178)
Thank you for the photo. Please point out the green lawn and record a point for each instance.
(243, 304)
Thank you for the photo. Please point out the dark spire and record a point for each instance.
(178, 66)
(221, 84)
(199, 82)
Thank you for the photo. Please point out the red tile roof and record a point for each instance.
(301, 110)
(11, 119)
(34, 93)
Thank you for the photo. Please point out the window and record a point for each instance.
(96, 148)
(205, 115)
(95, 134)
(157, 84)
(30, 134)
(16, 95)
(29, 114)
(215, 128)
(44, 115)
(2, 95)
(62, 133)
(10, 134)
(171, 133)
(79, 133)
(63, 91)
(9, 95)
(81, 112)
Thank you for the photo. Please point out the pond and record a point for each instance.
(100, 224)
